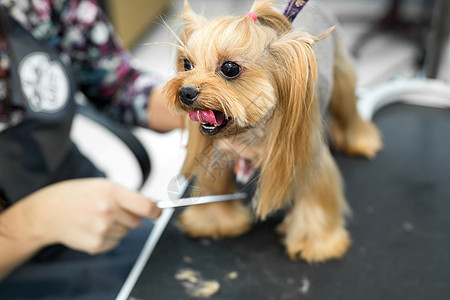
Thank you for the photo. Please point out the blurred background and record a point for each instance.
(389, 39)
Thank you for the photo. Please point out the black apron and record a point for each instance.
(38, 151)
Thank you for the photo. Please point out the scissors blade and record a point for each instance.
(199, 200)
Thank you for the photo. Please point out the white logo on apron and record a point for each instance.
(44, 83)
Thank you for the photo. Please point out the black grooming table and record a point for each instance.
(400, 231)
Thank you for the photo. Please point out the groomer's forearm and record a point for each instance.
(18, 239)
(161, 119)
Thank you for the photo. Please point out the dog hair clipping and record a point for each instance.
(252, 15)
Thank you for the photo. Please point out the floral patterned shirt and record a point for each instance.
(81, 33)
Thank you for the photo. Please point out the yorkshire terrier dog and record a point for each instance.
(256, 90)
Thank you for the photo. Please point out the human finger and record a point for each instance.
(127, 219)
(116, 232)
(137, 204)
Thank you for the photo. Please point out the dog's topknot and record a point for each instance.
(267, 16)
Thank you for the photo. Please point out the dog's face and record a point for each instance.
(236, 73)
(223, 81)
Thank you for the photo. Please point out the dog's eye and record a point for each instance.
(230, 69)
(187, 65)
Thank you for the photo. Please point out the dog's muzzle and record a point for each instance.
(188, 94)
(212, 121)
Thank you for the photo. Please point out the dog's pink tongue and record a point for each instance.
(207, 116)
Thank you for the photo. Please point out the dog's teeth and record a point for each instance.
(209, 125)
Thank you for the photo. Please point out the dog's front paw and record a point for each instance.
(319, 249)
(216, 220)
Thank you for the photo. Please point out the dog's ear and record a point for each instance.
(269, 17)
(294, 132)
(192, 21)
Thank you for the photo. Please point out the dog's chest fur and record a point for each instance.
(247, 146)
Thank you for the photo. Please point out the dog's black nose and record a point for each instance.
(188, 94)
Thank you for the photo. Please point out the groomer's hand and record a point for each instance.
(91, 215)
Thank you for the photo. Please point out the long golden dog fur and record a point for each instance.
(274, 122)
